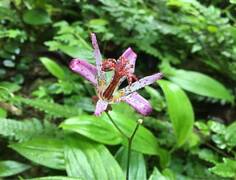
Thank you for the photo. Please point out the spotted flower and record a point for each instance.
(107, 91)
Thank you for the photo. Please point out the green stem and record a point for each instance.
(116, 126)
(130, 140)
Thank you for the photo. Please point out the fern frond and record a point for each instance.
(20, 130)
(50, 108)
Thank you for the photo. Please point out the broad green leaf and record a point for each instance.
(230, 135)
(94, 128)
(144, 141)
(56, 178)
(201, 84)
(137, 168)
(156, 175)
(89, 160)
(9, 168)
(53, 68)
(42, 150)
(225, 169)
(36, 17)
(179, 109)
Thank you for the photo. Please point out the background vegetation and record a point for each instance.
(47, 126)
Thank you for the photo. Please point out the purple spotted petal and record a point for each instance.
(141, 83)
(88, 71)
(100, 107)
(98, 57)
(139, 103)
(131, 56)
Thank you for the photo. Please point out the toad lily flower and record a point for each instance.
(108, 92)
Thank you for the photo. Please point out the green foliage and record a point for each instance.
(81, 155)
(36, 17)
(156, 174)
(9, 168)
(192, 41)
(53, 68)
(202, 84)
(50, 108)
(70, 40)
(225, 169)
(56, 178)
(138, 168)
(21, 130)
(42, 150)
(179, 109)
(144, 141)
(93, 128)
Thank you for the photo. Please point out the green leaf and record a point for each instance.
(53, 68)
(179, 109)
(51, 108)
(137, 168)
(3, 113)
(42, 150)
(156, 175)
(20, 130)
(230, 135)
(144, 141)
(36, 17)
(201, 84)
(225, 169)
(94, 128)
(9, 168)
(89, 160)
(56, 178)
(10, 87)
(208, 155)
(157, 101)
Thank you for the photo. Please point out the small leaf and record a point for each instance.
(208, 155)
(94, 128)
(137, 168)
(179, 109)
(9, 168)
(89, 160)
(42, 150)
(36, 17)
(53, 68)
(225, 169)
(201, 84)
